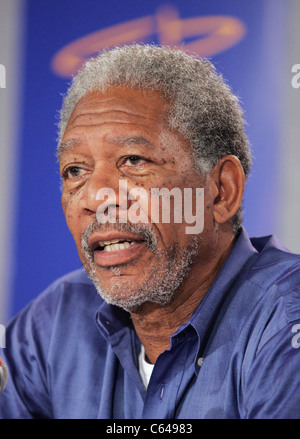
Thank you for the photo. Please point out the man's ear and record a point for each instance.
(228, 188)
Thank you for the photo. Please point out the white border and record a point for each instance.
(11, 24)
(289, 160)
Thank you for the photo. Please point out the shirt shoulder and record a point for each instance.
(276, 272)
(75, 285)
(43, 340)
(70, 298)
(271, 360)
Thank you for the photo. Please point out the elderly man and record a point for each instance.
(189, 322)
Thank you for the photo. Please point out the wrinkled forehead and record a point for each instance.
(135, 102)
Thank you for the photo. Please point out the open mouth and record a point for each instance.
(115, 250)
(115, 247)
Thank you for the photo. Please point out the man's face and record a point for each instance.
(121, 136)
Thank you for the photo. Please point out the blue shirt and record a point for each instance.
(71, 355)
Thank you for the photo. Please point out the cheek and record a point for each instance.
(64, 204)
(71, 212)
(67, 206)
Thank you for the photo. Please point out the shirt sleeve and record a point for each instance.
(27, 337)
(272, 389)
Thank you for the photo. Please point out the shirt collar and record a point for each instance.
(241, 255)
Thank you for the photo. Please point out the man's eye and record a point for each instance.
(133, 160)
(72, 172)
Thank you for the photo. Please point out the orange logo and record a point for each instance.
(204, 36)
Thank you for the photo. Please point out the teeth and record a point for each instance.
(113, 241)
(115, 244)
(115, 247)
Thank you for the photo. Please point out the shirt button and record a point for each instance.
(200, 361)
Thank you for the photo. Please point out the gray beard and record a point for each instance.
(171, 268)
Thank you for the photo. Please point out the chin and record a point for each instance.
(131, 295)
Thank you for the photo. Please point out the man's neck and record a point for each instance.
(155, 324)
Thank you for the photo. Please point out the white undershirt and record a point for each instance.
(145, 368)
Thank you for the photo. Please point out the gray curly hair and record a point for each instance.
(202, 106)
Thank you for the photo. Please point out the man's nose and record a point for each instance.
(104, 189)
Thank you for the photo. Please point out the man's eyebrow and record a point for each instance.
(70, 144)
(67, 146)
(129, 140)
